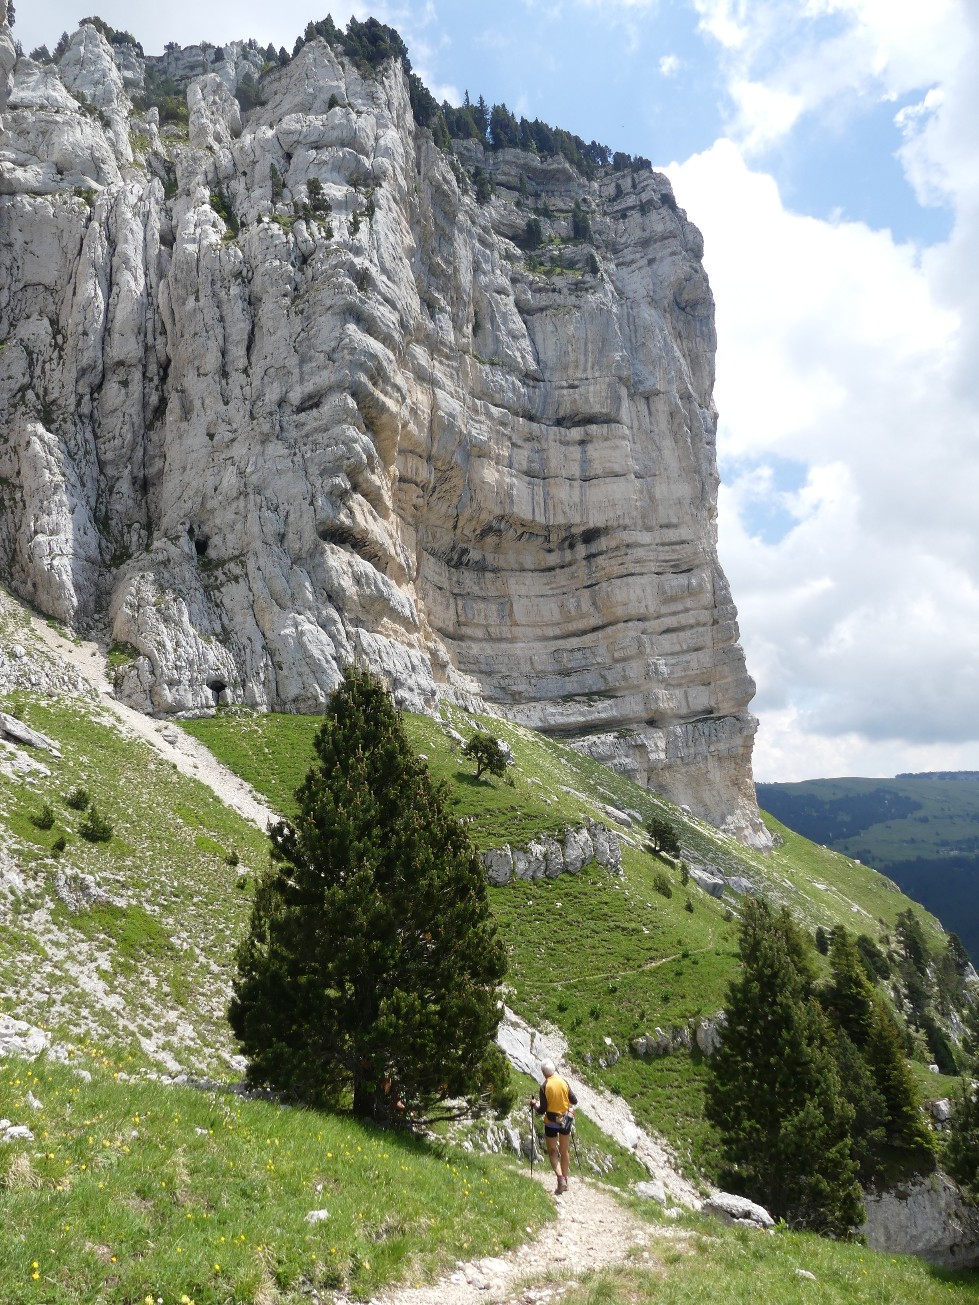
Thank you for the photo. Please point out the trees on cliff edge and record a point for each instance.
(774, 1091)
(371, 965)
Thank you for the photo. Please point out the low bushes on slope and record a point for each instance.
(127, 939)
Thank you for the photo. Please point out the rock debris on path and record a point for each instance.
(593, 1231)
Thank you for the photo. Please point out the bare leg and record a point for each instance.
(552, 1153)
(565, 1140)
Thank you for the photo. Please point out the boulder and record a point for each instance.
(708, 880)
(941, 1111)
(927, 1216)
(578, 850)
(709, 1034)
(499, 864)
(15, 730)
(737, 1210)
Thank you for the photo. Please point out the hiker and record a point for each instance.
(556, 1100)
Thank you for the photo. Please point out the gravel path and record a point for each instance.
(189, 756)
(592, 1231)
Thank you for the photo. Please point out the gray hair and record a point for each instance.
(547, 1068)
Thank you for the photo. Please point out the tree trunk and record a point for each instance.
(365, 1099)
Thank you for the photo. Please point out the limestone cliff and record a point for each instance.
(277, 391)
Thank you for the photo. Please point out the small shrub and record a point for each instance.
(485, 752)
(663, 837)
(318, 201)
(533, 236)
(77, 799)
(96, 828)
(232, 858)
(483, 186)
(684, 873)
(580, 222)
(662, 885)
(222, 206)
(44, 818)
(59, 845)
(688, 906)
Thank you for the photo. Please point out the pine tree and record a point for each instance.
(876, 1077)
(485, 751)
(663, 837)
(962, 1143)
(372, 965)
(774, 1091)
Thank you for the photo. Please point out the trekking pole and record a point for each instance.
(574, 1140)
(533, 1139)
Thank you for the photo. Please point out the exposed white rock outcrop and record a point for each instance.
(526, 1047)
(737, 1210)
(546, 858)
(280, 393)
(925, 1216)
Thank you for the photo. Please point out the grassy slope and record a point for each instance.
(134, 1189)
(602, 958)
(706, 1264)
(145, 978)
(162, 942)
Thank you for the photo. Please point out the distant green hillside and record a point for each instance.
(921, 830)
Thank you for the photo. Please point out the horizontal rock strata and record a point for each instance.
(281, 393)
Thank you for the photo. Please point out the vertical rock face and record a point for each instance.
(279, 392)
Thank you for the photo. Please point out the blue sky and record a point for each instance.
(829, 151)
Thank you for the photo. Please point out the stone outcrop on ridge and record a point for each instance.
(249, 439)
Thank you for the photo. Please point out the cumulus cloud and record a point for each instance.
(853, 359)
(669, 65)
(828, 57)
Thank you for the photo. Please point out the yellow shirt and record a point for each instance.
(556, 1095)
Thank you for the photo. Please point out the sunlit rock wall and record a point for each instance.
(255, 428)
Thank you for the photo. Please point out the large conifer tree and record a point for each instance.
(774, 1092)
(886, 1096)
(372, 964)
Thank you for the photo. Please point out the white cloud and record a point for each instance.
(669, 65)
(856, 358)
(787, 749)
(826, 56)
(724, 20)
(764, 114)
(839, 349)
